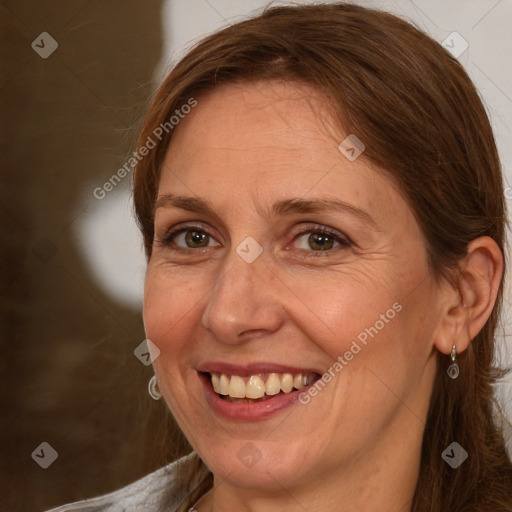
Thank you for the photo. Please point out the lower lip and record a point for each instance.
(248, 411)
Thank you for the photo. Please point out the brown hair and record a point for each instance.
(422, 121)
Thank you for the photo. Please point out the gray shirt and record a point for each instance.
(145, 494)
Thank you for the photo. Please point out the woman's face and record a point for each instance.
(265, 275)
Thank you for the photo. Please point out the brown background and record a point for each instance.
(69, 376)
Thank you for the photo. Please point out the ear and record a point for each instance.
(467, 306)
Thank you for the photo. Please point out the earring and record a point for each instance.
(453, 369)
(153, 390)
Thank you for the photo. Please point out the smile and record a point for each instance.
(259, 387)
(255, 391)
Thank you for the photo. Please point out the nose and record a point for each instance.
(243, 302)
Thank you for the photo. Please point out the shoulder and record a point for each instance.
(144, 494)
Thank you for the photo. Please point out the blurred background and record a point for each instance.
(75, 79)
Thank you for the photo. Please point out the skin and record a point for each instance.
(356, 445)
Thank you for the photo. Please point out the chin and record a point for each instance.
(257, 465)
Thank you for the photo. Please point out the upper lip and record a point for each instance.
(245, 370)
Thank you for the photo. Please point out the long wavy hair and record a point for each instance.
(423, 122)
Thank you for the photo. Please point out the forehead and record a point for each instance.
(267, 139)
(248, 116)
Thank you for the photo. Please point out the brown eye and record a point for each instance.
(196, 239)
(320, 241)
(186, 238)
(316, 240)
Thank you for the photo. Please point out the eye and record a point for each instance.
(321, 239)
(190, 237)
(315, 239)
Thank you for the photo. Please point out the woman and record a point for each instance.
(323, 217)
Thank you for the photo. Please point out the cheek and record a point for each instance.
(169, 303)
(348, 306)
(367, 327)
(169, 318)
(172, 316)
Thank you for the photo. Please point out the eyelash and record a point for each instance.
(343, 240)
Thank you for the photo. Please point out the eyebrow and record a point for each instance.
(286, 206)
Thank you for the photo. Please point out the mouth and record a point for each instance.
(259, 387)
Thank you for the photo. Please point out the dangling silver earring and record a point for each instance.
(453, 369)
(153, 390)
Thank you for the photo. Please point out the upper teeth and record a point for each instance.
(257, 386)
